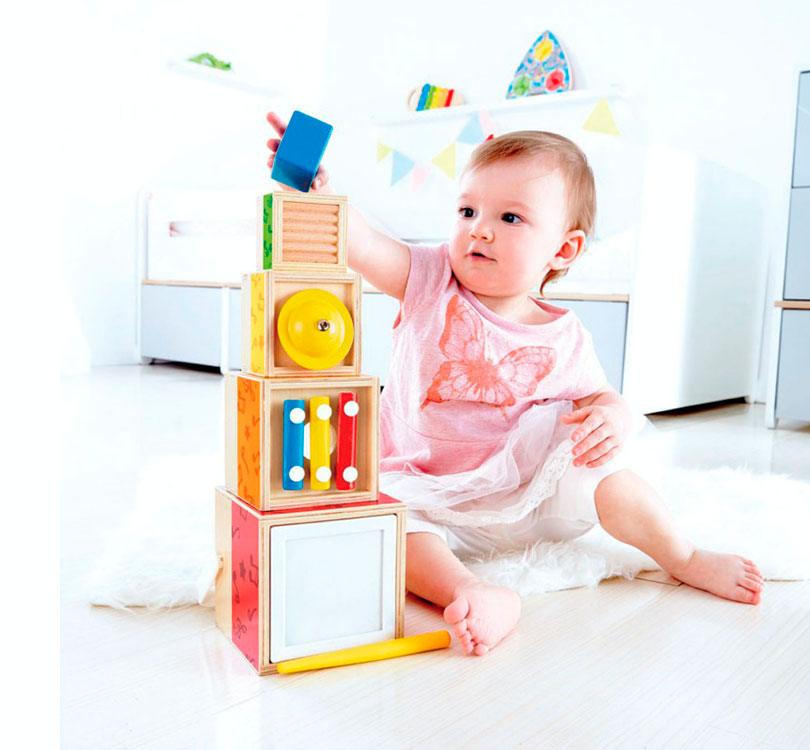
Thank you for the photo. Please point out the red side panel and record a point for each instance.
(245, 583)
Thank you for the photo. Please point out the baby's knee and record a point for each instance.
(621, 492)
(614, 487)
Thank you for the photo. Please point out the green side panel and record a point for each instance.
(267, 241)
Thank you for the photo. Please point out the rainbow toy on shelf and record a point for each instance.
(433, 97)
(544, 69)
(312, 557)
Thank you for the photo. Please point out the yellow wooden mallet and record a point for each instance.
(413, 644)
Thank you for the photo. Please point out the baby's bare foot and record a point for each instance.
(730, 576)
(481, 615)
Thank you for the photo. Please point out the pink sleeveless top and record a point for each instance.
(461, 377)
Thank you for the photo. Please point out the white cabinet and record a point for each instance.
(801, 152)
(797, 261)
(607, 322)
(199, 324)
(793, 387)
(379, 313)
(789, 382)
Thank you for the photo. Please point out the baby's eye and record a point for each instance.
(511, 218)
(465, 212)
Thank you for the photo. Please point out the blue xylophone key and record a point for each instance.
(293, 469)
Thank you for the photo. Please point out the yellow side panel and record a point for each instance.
(257, 325)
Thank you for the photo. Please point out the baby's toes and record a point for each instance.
(754, 574)
(749, 565)
(466, 642)
(749, 573)
(481, 649)
(460, 628)
(754, 577)
(457, 611)
(753, 583)
(745, 595)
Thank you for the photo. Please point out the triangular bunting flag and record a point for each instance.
(383, 151)
(420, 175)
(401, 165)
(472, 131)
(487, 125)
(446, 161)
(600, 120)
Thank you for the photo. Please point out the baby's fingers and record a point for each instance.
(587, 428)
(593, 439)
(595, 453)
(604, 458)
(321, 179)
(578, 415)
(277, 123)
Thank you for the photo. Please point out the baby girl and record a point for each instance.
(498, 426)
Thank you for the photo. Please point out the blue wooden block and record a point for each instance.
(292, 477)
(300, 151)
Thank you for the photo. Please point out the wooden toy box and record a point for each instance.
(264, 295)
(254, 445)
(302, 231)
(303, 581)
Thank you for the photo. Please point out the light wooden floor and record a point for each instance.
(629, 664)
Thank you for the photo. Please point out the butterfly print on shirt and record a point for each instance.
(469, 375)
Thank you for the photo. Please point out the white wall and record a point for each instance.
(132, 122)
(716, 78)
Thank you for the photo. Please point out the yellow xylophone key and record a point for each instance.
(320, 437)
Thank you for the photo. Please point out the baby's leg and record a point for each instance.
(630, 510)
(481, 614)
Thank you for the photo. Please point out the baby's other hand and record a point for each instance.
(321, 182)
(600, 435)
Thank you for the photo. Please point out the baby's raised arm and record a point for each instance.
(379, 258)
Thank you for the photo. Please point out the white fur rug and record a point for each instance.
(163, 555)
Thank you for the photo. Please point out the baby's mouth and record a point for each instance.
(479, 256)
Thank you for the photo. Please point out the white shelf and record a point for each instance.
(537, 101)
(222, 77)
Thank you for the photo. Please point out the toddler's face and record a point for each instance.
(511, 225)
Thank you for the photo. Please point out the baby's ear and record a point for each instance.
(572, 245)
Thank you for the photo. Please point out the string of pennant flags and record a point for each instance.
(478, 128)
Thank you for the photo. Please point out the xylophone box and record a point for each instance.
(292, 442)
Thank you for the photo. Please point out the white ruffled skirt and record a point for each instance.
(509, 484)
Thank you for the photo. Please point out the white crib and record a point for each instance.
(194, 244)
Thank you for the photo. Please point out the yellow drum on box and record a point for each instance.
(315, 329)
(300, 324)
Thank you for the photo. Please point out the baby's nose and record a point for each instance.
(481, 230)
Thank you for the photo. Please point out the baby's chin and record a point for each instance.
(485, 280)
(487, 287)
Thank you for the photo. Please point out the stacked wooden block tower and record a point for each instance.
(312, 557)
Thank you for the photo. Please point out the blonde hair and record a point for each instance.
(566, 156)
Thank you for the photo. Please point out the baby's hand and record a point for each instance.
(321, 182)
(600, 435)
